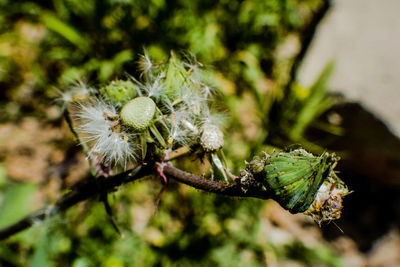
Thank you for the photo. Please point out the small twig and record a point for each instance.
(107, 207)
(179, 152)
(158, 200)
(234, 178)
(159, 169)
(212, 186)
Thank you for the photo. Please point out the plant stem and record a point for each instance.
(89, 188)
(212, 186)
(179, 152)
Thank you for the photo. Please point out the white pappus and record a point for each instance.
(98, 126)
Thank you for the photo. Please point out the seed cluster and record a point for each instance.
(138, 119)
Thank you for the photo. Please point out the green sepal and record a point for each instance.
(176, 76)
(119, 92)
(143, 143)
(218, 171)
(158, 135)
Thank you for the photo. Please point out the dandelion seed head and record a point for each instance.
(207, 90)
(166, 105)
(215, 118)
(151, 87)
(198, 75)
(81, 87)
(64, 96)
(155, 88)
(183, 127)
(191, 63)
(181, 136)
(181, 97)
(192, 99)
(93, 124)
(92, 116)
(96, 128)
(113, 148)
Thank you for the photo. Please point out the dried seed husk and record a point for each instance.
(327, 205)
(138, 113)
(212, 138)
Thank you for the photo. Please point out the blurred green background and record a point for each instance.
(252, 49)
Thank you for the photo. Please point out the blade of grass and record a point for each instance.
(315, 104)
(65, 30)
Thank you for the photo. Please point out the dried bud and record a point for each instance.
(138, 113)
(256, 165)
(212, 138)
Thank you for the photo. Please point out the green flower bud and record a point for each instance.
(119, 92)
(294, 178)
(138, 113)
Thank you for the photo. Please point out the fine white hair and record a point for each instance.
(115, 148)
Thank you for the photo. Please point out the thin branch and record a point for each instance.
(87, 188)
(198, 182)
(177, 153)
(104, 199)
(91, 187)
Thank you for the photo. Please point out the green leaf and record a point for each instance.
(41, 256)
(65, 30)
(314, 105)
(16, 203)
(3, 175)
